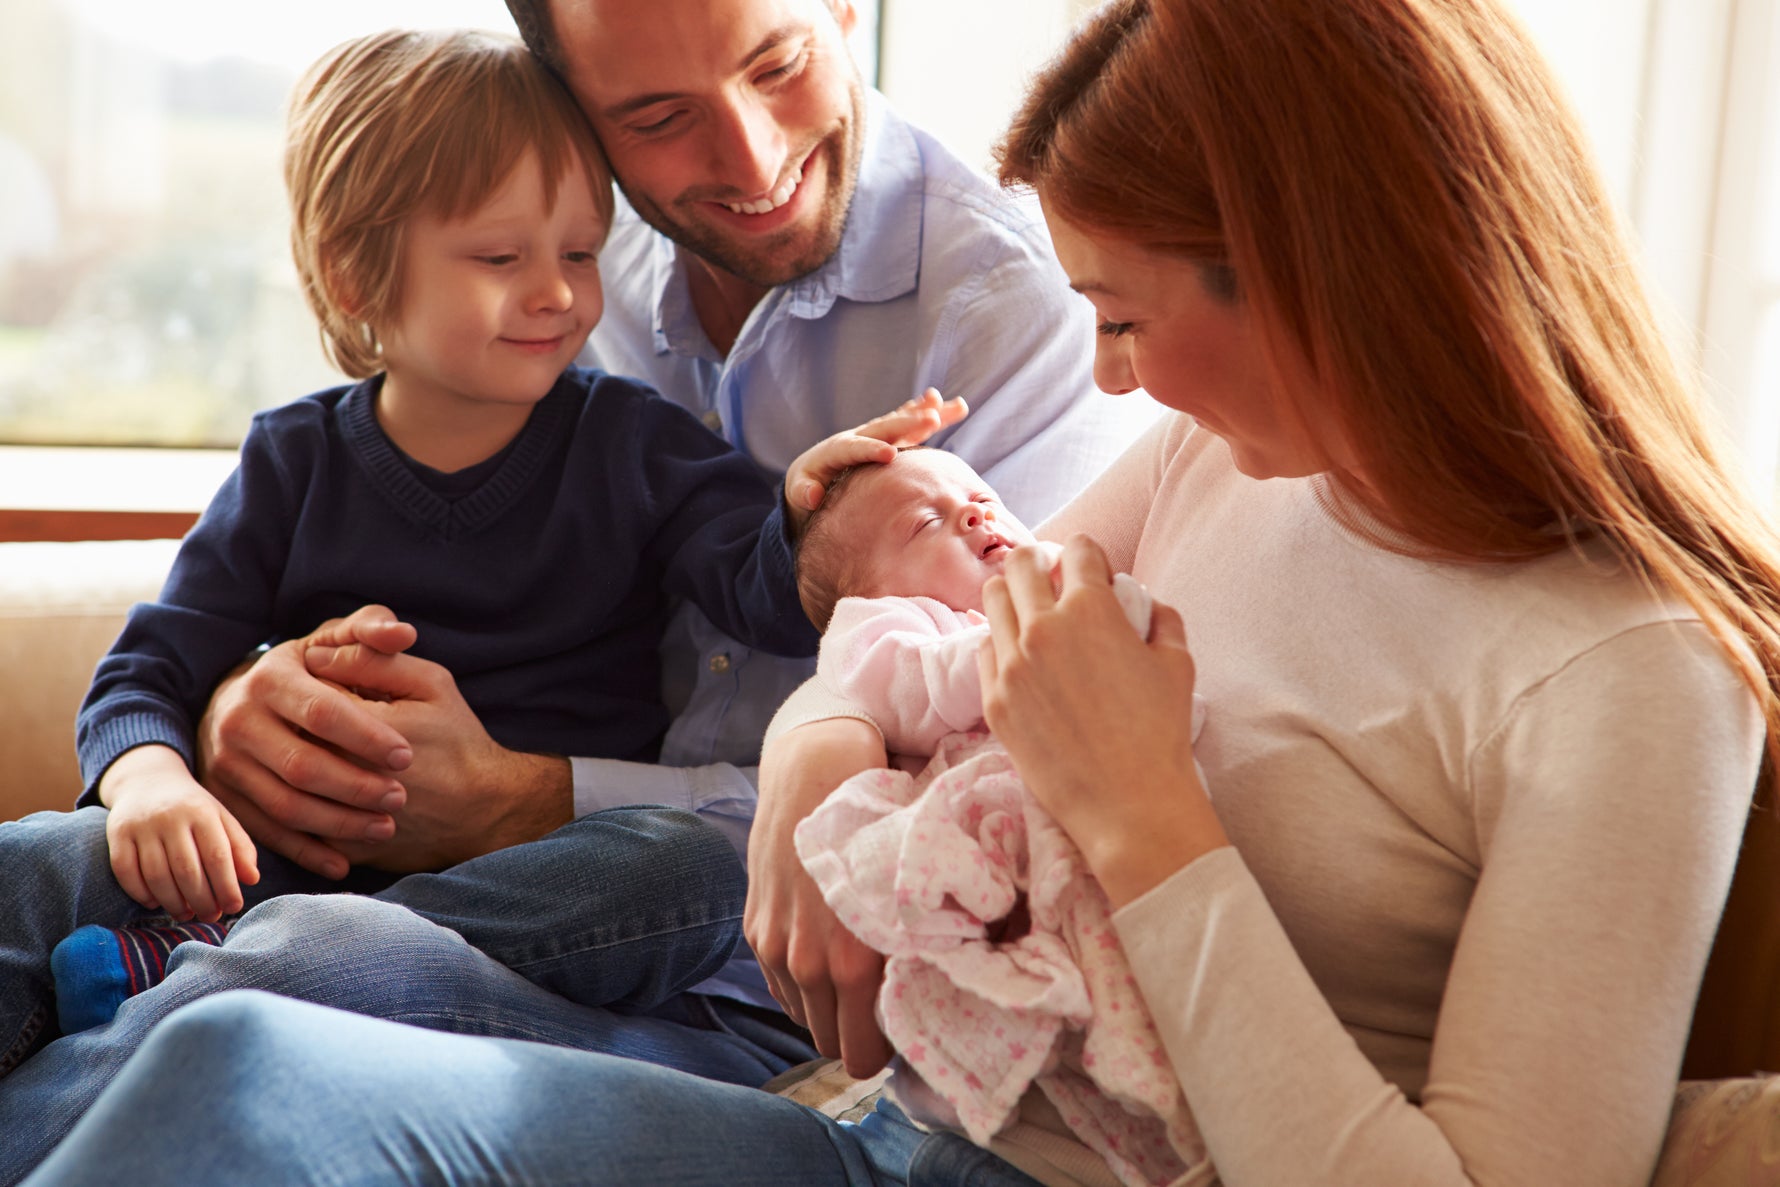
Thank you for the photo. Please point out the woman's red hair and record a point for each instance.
(1412, 214)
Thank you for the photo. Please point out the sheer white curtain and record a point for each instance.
(1682, 99)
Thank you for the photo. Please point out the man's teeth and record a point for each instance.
(773, 200)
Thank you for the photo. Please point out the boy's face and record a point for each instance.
(496, 303)
(734, 127)
(929, 526)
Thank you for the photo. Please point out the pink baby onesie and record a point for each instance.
(926, 867)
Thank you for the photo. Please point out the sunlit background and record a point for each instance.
(146, 295)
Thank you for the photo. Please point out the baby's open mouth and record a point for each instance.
(995, 547)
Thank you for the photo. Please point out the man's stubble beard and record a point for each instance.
(761, 263)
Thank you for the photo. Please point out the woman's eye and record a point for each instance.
(659, 126)
(1114, 329)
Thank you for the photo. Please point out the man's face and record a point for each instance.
(734, 127)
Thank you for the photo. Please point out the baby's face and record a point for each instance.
(926, 525)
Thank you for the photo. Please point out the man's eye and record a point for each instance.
(1114, 329)
(790, 69)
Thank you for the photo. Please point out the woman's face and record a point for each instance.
(1182, 333)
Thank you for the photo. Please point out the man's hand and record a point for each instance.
(466, 794)
(301, 762)
(875, 441)
(819, 971)
(173, 847)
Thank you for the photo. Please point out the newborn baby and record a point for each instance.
(1003, 970)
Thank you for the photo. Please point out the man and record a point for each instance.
(799, 260)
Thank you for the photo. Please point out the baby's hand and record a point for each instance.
(174, 847)
(875, 441)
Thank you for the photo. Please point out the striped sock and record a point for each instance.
(96, 969)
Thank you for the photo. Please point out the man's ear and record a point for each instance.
(845, 15)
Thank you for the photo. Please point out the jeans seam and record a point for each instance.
(585, 949)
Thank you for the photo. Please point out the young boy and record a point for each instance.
(530, 520)
(1002, 968)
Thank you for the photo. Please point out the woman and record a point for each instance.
(1489, 642)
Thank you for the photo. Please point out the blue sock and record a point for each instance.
(97, 968)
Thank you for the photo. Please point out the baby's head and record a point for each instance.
(924, 524)
(392, 126)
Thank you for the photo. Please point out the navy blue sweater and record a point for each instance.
(541, 579)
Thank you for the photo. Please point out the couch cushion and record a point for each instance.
(1723, 1133)
(61, 605)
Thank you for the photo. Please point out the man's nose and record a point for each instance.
(748, 147)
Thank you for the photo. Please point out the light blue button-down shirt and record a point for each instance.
(941, 280)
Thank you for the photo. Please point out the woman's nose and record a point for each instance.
(1112, 367)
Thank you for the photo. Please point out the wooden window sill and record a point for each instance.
(79, 493)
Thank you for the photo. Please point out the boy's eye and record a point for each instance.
(498, 260)
(1114, 329)
(580, 257)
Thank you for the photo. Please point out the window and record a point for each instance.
(146, 289)
(146, 294)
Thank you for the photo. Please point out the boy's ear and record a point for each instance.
(343, 293)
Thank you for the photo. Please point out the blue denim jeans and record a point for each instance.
(247, 1088)
(584, 939)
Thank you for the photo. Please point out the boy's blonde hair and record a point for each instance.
(401, 123)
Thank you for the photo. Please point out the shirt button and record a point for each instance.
(714, 421)
(720, 663)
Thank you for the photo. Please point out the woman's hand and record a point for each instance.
(875, 441)
(1097, 720)
(819, 971)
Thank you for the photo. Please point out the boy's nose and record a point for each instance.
(550, 289)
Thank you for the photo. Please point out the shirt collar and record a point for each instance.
(879, 258)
